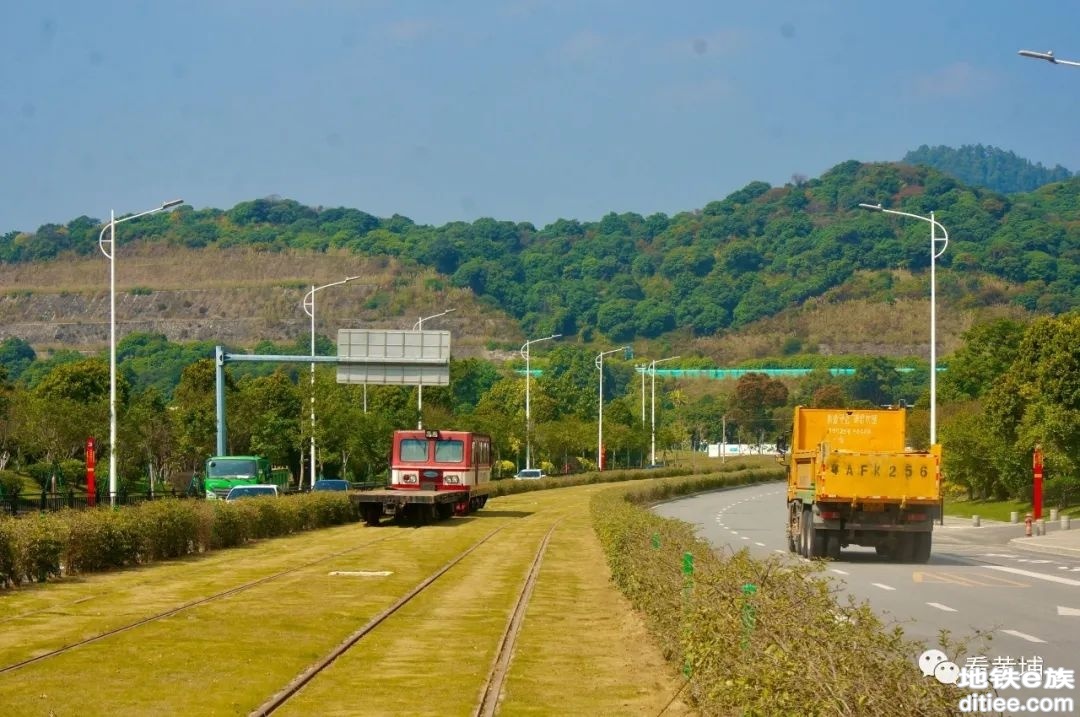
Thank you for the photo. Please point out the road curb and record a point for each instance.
(1037, 546)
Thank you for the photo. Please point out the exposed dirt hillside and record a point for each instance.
(235, 296)
(240, 296)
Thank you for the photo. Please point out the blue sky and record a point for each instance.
(524, 110)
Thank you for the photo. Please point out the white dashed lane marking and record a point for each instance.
(883, 586)
(838, 571)
(1033, 574)
(760, 545)
(1023, 636)
(939, 606)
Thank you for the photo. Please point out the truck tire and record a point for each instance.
(804, 539)
(922, 547)
(814, 542)
(832, 545)
(905, 548)
(792, 528)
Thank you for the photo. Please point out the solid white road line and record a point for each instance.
(1033, 574)
(883, 586)
(1023, 636)
(939, 606)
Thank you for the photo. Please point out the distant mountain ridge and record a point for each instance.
(697, 276)
(988, 166)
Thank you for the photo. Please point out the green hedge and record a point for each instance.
(69, 542)
(784, 646)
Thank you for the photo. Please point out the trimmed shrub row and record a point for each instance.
(70, 542)
(757, 637)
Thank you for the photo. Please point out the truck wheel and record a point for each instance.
(905, 548)
(803, 537)
(815, 543)
(832, 545)
(792, 529)
(922, 547)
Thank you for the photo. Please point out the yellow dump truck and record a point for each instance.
(853, 481)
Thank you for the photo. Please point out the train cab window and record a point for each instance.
(449, 451)
(414, 449)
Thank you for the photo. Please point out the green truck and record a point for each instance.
(224, 472)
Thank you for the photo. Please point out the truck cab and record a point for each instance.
(225, 472)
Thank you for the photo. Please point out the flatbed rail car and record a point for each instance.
(433, 475)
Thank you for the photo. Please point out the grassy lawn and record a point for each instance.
(999, 509)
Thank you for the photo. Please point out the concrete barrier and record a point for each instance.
(1065, 522)
(1053, 514)
(975, 521)
(1014, 517)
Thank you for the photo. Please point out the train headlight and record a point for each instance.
(409, 478)
(452, 480)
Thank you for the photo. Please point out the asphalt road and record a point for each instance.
(975, 582)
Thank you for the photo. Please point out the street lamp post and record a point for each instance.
(419, 326)
(641, 368)
(528, 424)
(1048, 56)
(110, 254)
(652, 403)
(599, 361)
(935, 252)
(309, 309)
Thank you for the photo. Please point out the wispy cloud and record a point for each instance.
(410, 29)
(581, 47)
(958, 80)
(697, 93)
(726, 41)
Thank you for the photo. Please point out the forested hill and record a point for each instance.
(758, 251)
(989, 167)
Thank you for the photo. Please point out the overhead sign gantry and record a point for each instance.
(381, 357)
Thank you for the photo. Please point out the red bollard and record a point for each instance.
(1027, 525)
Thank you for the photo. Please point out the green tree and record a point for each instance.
(987, 352)
(267, 408)
(753, 402)
(195, 412)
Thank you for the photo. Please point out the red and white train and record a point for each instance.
(433, 474)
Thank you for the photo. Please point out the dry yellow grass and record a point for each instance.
(900, 328)
(232, 295)
(582, 650)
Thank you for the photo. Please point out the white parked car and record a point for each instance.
(530, 474)
(255, 490)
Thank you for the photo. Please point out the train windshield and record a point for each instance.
(449, 451)
(414, 449)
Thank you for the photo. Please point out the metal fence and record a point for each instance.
(49, 502)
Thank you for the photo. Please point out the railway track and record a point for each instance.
(492, 684)
(180, 608)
